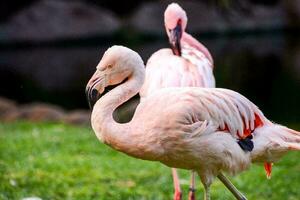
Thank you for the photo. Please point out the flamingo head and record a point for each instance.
(116, 66)
(175, 24)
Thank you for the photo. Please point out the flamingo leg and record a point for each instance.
(206, 192)
(192, 187)
(238, 195)
(177, 193)
(206, 179)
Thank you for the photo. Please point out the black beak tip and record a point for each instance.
(90, 105)
(92, 96)
(176, 50)
(175, 38)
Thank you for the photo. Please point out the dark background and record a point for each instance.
(49, 48)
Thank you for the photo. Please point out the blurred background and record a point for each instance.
(49, 49)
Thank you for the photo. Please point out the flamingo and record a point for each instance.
(191, 67)
(207, 130)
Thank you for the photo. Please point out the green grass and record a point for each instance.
(56, 161)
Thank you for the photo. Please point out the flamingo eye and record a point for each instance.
(106, 67)
(109, 66)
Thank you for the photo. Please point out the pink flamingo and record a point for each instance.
(194, 67)
(208, 130)
(191, 67)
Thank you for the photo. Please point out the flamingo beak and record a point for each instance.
(92, 90)
(98, 87)
(174, 39)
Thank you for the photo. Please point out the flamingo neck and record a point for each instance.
(110, 132)
(191, 41)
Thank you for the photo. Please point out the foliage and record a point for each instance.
(56, 161)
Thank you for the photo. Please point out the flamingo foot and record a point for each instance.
(192, 195)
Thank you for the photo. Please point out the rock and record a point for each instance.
(78, 117)
(49, 20)
(149, 18)
(6, 106)
(260, 17)
(38, 112)
(12, 115)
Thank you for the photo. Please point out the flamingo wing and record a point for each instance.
(223, 109)
(231, 111)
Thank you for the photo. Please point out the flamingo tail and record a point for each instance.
(290, 137)
(271, 142)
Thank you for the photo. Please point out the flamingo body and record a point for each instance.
(167, 70)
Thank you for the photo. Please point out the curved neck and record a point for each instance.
(106, 128)
(191, 41)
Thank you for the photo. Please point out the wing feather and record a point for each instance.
(230, 110)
